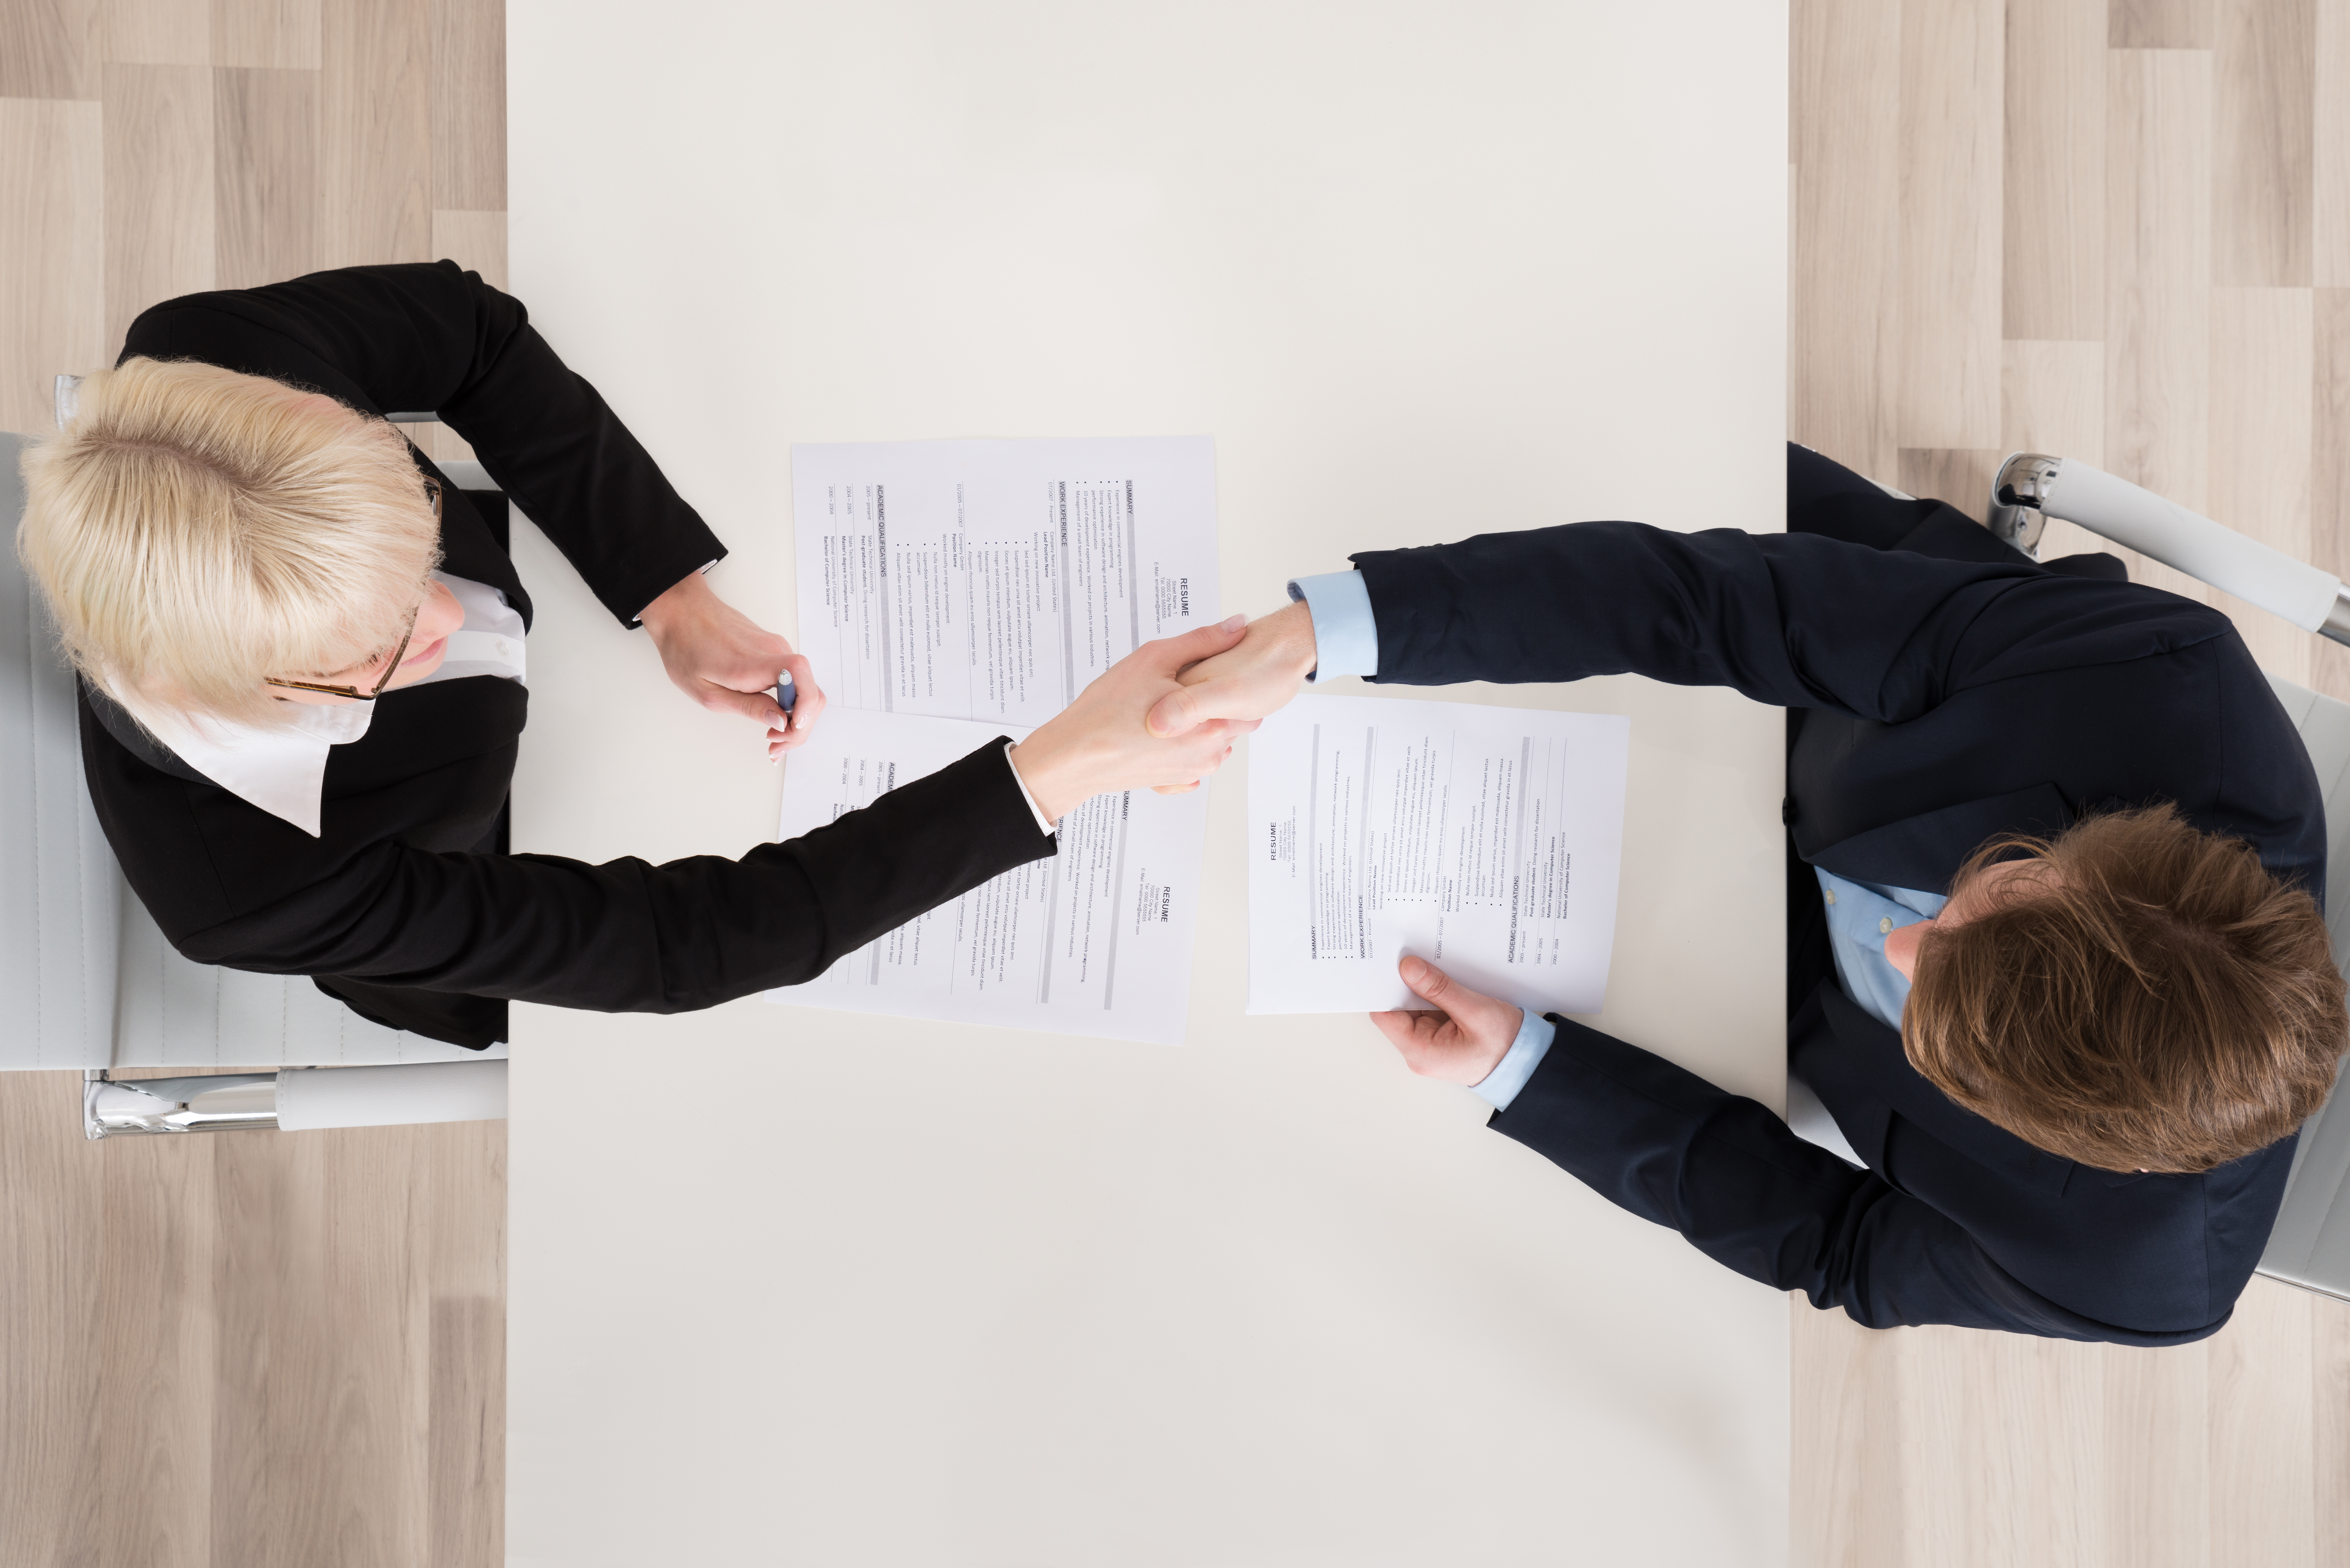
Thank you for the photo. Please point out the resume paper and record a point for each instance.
(1095, 941)
(1486, 840)
(954, 591)
(992, 579)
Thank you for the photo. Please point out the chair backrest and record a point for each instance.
(2310, 1243)
(87, 978)
(60, 890)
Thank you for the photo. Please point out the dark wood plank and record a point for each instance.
(49, 49)
(2160, 23)
(469, 105)
(52, 1206)
(265, 133)
(375, 132)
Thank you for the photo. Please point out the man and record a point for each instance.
(2058, 965)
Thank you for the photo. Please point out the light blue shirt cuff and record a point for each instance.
(1500, 1086)
(1346, 637)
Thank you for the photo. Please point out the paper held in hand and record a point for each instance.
(1486, 840)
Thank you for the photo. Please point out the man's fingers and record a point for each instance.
(1199, 642)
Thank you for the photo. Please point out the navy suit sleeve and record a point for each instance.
(1659, 1141)
(1797, 621)
(431, 337)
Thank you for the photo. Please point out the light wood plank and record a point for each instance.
(2160, 23)
(466, 1236)
(160, 183)
(469, 106)
(2052, 400)
(375, 132)
(2053, 162)
(53, 282)
(2329, 1391)
(2262, 371)
(277, 35)
(2330, 148)
(157, 1364)
(2264, 1437)
(2158, 1423)
(2264, 83)
(1843, 293)
(1951, 108)
(1846, 1509)
(265, 132)
(49, 49)
(2329, 472)
(50, 1317)
(2158, 271)
(155, 32)
(1960, 477)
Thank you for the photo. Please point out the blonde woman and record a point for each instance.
(303, 676)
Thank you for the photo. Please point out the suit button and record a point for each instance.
(1788, 813)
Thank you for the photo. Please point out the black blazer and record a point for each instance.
(1941, 701)
(398, 908)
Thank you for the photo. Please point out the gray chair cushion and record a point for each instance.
(2310, 1243)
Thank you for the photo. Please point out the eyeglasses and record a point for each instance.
(432, 494)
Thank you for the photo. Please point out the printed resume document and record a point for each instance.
(954, 591)
(1484, 839)
(1095, 941)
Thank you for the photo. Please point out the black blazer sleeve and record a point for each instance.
(429, 336)
(1659, 1141)
(621, 937)
(1797, 621)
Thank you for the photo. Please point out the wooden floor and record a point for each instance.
(2120, 231)
(241, 1350)
(2115, 229)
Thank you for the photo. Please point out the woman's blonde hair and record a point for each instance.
(196, 529)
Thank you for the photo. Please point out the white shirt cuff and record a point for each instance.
(1346, 634)
(1044, 823)
(1500, 1086)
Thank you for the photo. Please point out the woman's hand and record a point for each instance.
(718, 657)
(1463, 1043)
(1098, 743)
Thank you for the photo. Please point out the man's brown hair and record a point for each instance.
(2153, 999)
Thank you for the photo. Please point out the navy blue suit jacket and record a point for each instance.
(1938, 701)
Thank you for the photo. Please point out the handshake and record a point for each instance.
(1165, 717)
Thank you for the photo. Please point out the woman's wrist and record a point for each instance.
(676, 600)
(1049, 774)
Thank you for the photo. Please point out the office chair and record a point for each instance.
(89, 982)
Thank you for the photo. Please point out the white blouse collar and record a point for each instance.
(284, 771)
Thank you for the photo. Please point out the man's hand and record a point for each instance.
(1247, 681)
(718, 657)
(1097, 743)
(1460, 1043)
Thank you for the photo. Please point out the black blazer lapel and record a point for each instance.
(1922, 852)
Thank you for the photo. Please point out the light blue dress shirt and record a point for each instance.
(1861, 915)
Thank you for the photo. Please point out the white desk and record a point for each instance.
(954, 1296)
